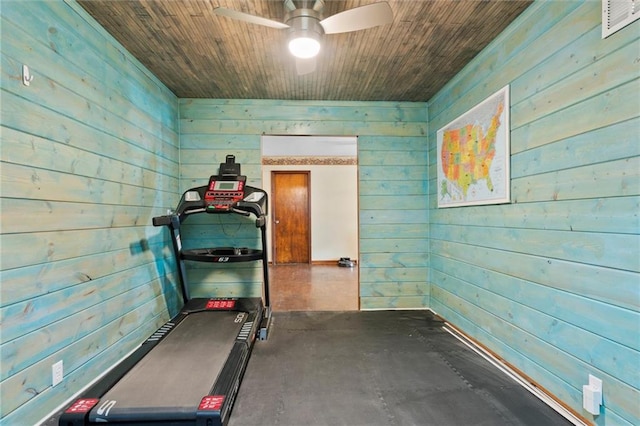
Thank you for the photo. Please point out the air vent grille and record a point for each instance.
(616, 14)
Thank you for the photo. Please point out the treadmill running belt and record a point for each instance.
(172, 379)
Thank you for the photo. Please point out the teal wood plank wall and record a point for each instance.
(550, 282)
(392, 167)
(89, 155)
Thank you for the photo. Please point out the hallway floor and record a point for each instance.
(303, 287)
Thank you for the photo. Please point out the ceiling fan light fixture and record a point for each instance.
(304, 47)
(305, 32)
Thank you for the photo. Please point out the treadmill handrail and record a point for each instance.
(187, 208)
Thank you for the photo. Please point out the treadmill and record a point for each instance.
(189, 371)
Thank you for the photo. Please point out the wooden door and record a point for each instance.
(291, 228)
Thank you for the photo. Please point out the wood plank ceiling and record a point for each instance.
(198, 54)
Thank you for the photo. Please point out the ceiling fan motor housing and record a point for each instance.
(304, 23)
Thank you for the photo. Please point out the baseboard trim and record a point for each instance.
(513, 372)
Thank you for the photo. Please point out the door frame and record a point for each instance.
(274, 207)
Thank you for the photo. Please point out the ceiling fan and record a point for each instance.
(306, 25)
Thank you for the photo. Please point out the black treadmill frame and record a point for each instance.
(212, 411)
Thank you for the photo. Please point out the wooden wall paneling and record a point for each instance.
(502, 341)
(86, 342)
(392, 188)
(275, 110)
(24, 181)
(390, 245)
(393, 143)
(385, 275)
(611, 286)
(372, 202)
(383, 215)
(204, 157)
(521, 44)
(394, 302)
(605, 215)
(391, 288)
(578, 340)
(579, 150)
(49, 398)
(47, 124)
(53, 246)
(23, 148)
(399, 172)
(607, 250)
(239, 282)
(19, 388)
(192, 174)
(27, 316)
(19, 283)
(104, 57)
(384, 231)
(611, 179)
(557, 304)
(557, 361)
(238, 233)
(615, 106)
(399, 259)
(73, 245)
(89, 155)
(576, 56)
(220, 142)
(608, 71)
(542, 281)
(81, 87)
(27, 213)
(19, 353)
(275, 127)
(392, 160)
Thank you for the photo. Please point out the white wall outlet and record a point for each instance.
(57, 372)
(592, 395)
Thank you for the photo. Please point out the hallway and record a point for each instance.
(303, 287)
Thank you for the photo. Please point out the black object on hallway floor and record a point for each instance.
(377, 368)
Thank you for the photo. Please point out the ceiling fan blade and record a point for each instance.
(305, 66)
(358, 18)
(253, 19)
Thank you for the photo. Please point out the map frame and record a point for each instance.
(499, 172)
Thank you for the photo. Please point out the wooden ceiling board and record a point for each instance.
(198, 54)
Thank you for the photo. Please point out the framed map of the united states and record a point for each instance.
(473, 155)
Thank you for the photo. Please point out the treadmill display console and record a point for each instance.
(221, 304)
(221, 194)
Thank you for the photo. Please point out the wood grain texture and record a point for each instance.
(199, 54)
(550, 282)
(89, 156)
(97, 146)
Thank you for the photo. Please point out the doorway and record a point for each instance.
(291, 225)
(313, 221)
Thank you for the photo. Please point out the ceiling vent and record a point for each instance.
(617, 14)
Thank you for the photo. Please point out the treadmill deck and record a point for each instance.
(170, 382)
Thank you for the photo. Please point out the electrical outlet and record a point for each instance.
(592, 395)
(57, 372)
